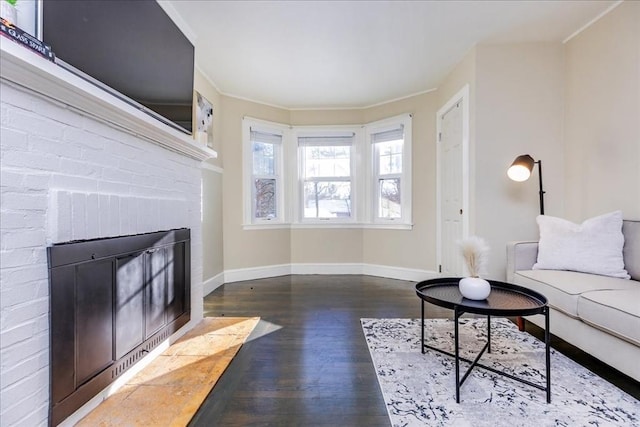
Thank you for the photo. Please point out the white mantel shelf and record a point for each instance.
(33, 72)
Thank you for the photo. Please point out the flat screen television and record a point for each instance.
(130, 48)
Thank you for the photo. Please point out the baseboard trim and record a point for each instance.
(326, 268)
(399, 273)
(212, 283)
(252, 273)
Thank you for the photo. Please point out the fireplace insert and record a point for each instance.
(112, 301)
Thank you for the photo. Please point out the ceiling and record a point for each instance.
(353, 54)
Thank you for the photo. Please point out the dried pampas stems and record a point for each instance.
(475, 252)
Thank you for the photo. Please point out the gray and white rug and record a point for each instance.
(419, 389)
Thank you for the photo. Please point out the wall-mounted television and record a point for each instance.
(131, 48)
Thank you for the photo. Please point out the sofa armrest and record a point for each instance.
(520, 256)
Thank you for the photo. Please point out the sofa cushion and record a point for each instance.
(616, 312)
(563, 288)
(595, 246)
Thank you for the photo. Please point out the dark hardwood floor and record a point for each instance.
(307, 362)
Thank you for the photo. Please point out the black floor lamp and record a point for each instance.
(520, 170)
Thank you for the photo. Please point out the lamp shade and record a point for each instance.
(520, 169)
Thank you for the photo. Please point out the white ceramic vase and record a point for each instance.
(474, 288)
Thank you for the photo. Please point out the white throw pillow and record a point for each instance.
(595, 246)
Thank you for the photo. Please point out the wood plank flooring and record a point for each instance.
(307, 362)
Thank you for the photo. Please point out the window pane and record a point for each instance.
(327, 199)
(389, 198)
(326, 161)
(265, 198)
(263, 158)
(390, 157)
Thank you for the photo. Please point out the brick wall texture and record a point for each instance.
(65, 175)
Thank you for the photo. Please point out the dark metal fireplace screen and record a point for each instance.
(112, 301)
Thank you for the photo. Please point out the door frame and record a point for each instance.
(461, 96)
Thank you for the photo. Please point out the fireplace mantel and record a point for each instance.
(27, 69)
(78, 163)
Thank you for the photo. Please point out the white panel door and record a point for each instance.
(451, 190)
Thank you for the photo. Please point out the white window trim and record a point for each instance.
(405, 221)
(247, 174)
(339, 130)
(362, 191)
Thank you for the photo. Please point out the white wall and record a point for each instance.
(516, 99)
(602, 116)
(212, 231)
(516, 105)
(573, 106)
(519, 106)
(212, 174)
(403, 249)
(415, 248)
(65, 175)
(255, 248)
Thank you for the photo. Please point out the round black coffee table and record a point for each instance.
(505, 299)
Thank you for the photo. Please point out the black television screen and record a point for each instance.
(131, 46)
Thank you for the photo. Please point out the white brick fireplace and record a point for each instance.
(76, 163)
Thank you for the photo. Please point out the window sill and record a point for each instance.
(300, 226)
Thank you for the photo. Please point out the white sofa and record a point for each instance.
(598, 314)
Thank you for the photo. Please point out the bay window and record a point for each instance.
(340, 176)
(264, 183)
(390, 147)
(326, 179)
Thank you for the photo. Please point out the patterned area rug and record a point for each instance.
(419, 389)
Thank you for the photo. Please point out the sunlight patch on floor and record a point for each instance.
(172, 387)
(265, 328)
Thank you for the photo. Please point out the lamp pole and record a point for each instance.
(539, 162)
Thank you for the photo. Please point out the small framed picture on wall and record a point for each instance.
(204, 120)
